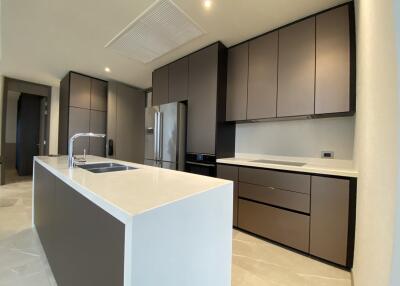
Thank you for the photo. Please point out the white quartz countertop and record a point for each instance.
(334, 167)
(125, 194)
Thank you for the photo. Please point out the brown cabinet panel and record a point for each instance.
(263, 77)
(79, 122)
(332, 85)
(178, 80)
(282, 180)
(296, 72)
(236, 94)
(98, 95)
(202, 103)
(282, 226)
(329, 218)
(230, 173)
(98, 124)
(80, 86)
(273, 196)
(160, 86)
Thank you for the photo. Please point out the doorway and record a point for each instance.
(25, 128)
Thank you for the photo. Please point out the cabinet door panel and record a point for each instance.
(79, 91)
(263, 77)
(236, 93)
(329, 218)
(296, 73)
(79, 119)
(231, 173)
(98, 124)
(332, 85)
(98, 95)
(282, 226)
(178, 80)
(202, 105)
(160, 86)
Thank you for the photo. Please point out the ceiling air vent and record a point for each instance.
(160, 29)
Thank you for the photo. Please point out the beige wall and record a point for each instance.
(1, 103)
(54, 113)
(376, 144)
(299, 138)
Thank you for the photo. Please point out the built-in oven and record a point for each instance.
(201, 164)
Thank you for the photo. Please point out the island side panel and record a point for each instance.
(188, 242)
(86, 245)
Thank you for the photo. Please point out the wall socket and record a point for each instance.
(327, 154)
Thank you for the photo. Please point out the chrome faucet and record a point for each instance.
(71, 160)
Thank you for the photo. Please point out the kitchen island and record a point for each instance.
(144, 226)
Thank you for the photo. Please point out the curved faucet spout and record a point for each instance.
(71, 162)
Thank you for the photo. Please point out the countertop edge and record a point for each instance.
(300, 169)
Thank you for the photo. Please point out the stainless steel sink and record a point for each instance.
(105, 167)
(299, 164)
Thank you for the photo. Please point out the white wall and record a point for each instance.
(299, 138)
(12, 112)
(376, 145)
(54, 113)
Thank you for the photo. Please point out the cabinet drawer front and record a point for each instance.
(289, 228)
(227, 172)
(286, 181)
(286, 199)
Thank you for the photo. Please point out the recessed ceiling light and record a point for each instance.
(107, 69)
(207, 4)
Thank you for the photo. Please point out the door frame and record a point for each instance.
(12, 84)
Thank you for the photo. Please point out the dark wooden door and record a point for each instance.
(202, 104)
(178, 80)
(28, 132)
(263, 77)
(236, 93)
(98, 124)
(296, 72)
(160, 86)
(80, 86)
(98, 95)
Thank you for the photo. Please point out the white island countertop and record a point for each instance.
(333, 167)
(125, 194)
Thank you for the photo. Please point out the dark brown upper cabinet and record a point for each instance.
(98, 95)
(332, 84)
(263, 75)
(160, 86)
(296, 71)
(178, 80)
(80, 86)
(236, 93)
(202, 107)
(303, 69)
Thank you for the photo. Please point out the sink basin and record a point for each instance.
(299, 164)
(105, 167)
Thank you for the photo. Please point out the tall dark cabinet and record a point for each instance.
(206, 131)
(83, 108)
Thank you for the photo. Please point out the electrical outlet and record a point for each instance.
(327, 154)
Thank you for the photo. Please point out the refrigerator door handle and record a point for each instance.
(155, 136)
(160, 136)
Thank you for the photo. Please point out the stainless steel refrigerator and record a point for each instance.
(165, 136)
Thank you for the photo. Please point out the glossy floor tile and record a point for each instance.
(255, 262)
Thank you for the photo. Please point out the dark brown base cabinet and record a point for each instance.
(83, 244)
(314, 214)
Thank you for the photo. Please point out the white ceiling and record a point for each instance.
(43, 39)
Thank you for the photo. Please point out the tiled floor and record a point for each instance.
(255, 262)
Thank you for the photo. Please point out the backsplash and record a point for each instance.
(299, 138)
